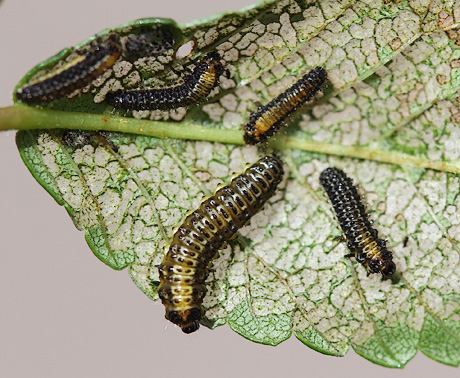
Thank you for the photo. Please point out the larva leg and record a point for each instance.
(339, 238)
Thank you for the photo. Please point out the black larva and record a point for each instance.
(363, 241)
(196, 87)
(203, 232)
(85, 67)
(267, 120)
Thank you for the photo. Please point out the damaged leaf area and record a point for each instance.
(389, 118)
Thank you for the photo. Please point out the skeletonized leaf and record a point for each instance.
(389, 118)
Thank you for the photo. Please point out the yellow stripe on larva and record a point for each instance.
(267, 120)
(362, 239)
(76, 60)
(197, 85)
(77, 73)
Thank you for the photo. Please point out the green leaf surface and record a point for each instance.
(390, 118)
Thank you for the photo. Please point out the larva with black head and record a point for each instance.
(268, 119)
(79, 72)
(203, 232)
(196, 87)
(362, 239)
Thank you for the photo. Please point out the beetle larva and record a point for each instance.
(196, 87)
(203, 232)
(363, 241)
(85, 67)
(267, 120)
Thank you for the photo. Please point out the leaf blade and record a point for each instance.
(305, 286)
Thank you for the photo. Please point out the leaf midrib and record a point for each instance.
(27, 118)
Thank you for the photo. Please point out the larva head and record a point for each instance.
(388, 269)
(117, 100)
(384, 264)
(187, 320)
(276, 164)
(213, 59)
(319, 74)
(251, 135)
(190, 327)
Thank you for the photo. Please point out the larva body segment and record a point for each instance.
(363, 241)
(268, 119)
(204, 232)
(79, 72)
(196, 87)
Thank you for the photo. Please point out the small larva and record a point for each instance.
(196, 87)
(79, 138)
(86, 66)
(203, 232)
(363, 241)
(267, 120)
(147, 43)
(76, 138)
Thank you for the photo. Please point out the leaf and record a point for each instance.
(390, 116)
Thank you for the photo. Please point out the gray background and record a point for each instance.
(64, 313)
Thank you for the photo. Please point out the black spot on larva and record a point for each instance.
(267, 120)
(184, 306)
(84, 68)
(363, 241)
(196, 87)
